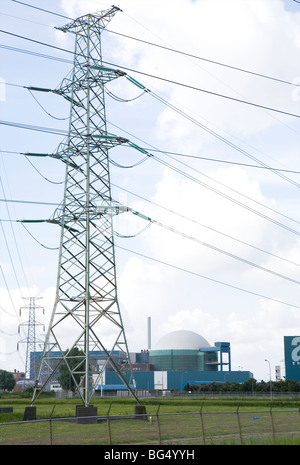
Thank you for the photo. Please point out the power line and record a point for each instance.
(152, 93)
(8, 290)
(14, 240)
(170, 49)
(218, 136)
(193, 121)
(200, 242)
(41, 106)
(218, 160)
(38, 42)
(43, 176)
(34, 128)
(170, 81)
(31, 202)
(230, 198)
(53, 131)
(185, 271)
(212, 247)
(36, 240)
(41, 9)
(205, 226)
(114, 65)
(194, 157)
(204, 59)
(197, 274)
(166, 209)
(24, 19)
(213, 133)
(37, 54)
(187, 86)
(192, 178)
(223, 139)
(206, 277)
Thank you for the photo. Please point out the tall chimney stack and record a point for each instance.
(149, 331)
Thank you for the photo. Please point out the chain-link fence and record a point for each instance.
(196, 428)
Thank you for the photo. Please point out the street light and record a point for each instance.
(270, 379)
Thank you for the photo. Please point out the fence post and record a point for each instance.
(108, 426)
(50, 425)
(272, 423)
(239, 425)
(158, 425)
(202, 425)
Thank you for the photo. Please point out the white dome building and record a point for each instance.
(181, 339)
(185, 351)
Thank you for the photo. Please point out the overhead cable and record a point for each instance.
(205, 226)
(53, 131)
(172, 49)
(42, 9)
(212, 247)
(207, 278)
(195, 157)
(218, 136)
(192, 178)
(170, 81)
(35, 128)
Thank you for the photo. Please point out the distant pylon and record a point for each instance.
(31, 340)
(86, 313)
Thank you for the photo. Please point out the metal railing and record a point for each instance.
(193, 428)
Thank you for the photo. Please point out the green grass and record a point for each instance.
(179, 421)
(125, 406)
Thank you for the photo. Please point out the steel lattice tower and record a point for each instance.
(31, 340)
(86, 310)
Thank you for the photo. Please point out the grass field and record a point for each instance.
(169, 421)
(125, 406)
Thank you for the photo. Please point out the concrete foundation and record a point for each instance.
(29, 414)
(6, 409)
(86, 415)
(140, 412)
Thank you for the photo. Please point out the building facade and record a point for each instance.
(292, 357)
(179, 358)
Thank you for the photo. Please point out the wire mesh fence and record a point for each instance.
(194, 428)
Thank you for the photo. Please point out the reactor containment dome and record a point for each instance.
(178, 340)
(183, 350)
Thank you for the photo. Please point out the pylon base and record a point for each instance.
(86, 415)
(29, 414)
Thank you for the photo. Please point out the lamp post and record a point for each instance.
(270, 378)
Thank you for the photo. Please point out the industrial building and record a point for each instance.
(178, 358)
(188, 351)
(292, 357)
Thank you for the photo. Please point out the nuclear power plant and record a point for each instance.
(177, 359)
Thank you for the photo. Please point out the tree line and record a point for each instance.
(251, 385)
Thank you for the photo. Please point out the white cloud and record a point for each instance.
(254, 38)
(259, 36)
(211, 213)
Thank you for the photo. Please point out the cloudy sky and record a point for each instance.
(218, 117)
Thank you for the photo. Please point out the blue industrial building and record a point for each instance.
(179, 358)
(292, 357)
(172, 380)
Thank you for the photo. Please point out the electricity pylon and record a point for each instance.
(31, 340)
(86, 313)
